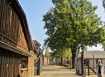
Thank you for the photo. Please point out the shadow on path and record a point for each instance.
(57, 71)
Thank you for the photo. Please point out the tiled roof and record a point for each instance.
(97, 54)
(36, 42)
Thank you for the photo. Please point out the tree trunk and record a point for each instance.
(73, 60)
(73, 49)
(61, 60)
(56, 60)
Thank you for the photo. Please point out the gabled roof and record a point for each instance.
(36, 42)
(18, 9)
(96, 54)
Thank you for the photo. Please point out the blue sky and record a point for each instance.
(35, 9)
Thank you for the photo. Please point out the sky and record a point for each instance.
(35, 9)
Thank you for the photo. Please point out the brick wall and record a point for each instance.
(45, 60)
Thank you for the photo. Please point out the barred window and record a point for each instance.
(24, 64)
(86, 61)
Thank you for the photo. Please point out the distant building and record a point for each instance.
(45, 61)
(65, 61)
(91, 57)
(38, 61)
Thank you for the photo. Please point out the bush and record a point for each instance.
(67, 65)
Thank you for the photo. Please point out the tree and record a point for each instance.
(68, 53)
(85, 48)
(62, 53)
(103, 45)
(77, 24)
(47, 55)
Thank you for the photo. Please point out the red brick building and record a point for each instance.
(38, 63)
(45, 61)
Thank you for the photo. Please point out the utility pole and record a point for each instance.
(82, 61)
(39, 55)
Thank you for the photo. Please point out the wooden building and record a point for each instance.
(17, 53)
(90, 58)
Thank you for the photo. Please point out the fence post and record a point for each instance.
(85, 70)
(88, 71)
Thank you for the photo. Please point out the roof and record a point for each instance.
(36, 42)
(95, 54)
(18, 9)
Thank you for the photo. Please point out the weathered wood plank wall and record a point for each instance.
(10, 26)
(11, 32)
(9, 63)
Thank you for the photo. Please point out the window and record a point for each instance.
(24, 63)
(86, 61)
(97, 60)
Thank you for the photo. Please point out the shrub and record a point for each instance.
(67, 65)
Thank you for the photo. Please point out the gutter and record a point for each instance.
(14, 49)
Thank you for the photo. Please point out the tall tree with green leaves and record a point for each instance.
(68, 53)
(62, 53)
(47, 55)
(85, 48)
(103, 45)
(77, 24)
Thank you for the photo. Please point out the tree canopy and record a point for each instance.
(47, 53)
(77, 21)
(62, 52)
(77, 24)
